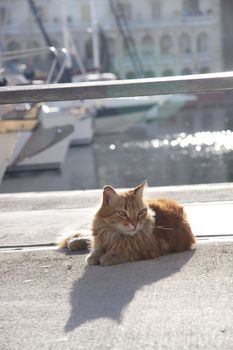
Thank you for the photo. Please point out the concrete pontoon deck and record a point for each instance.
(52, 300)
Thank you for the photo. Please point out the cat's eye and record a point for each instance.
(141, 212)
(122, 213)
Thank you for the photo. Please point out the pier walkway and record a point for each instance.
(52, 300)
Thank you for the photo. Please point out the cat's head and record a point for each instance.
(127, 212)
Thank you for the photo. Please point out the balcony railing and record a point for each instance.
(175, 21)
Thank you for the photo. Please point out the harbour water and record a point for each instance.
(191, 143)
(203, 157)
(125, 159)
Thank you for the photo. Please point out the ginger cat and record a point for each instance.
(127, 228)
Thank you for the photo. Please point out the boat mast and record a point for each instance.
(66, 39)
(95, 35)
(125, 32)
(39, 21)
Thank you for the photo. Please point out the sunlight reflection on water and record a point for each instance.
(215, 142)
(175, 159)
(125, 160)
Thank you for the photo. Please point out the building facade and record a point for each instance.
(161, 37)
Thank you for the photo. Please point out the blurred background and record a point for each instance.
(169, 140)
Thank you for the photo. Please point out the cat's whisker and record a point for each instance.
(164, 228)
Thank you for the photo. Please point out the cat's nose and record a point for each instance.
(132, 226)
(138, 226)
(135, 224)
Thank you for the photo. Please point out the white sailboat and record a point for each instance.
(27, 144)
(32, 138)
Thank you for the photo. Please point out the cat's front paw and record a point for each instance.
(107, 260)
(93, 260)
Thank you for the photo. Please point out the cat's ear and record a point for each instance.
(109, 195)
(138, 191)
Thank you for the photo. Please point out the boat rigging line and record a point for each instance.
(128, 39)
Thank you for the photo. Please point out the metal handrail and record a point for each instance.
(63, 52)
(18, 54)
(118, 88)
(5, 56)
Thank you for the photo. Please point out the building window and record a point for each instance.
(124, 10)
(204, 70)
(186, 71)
(191, 7)
(156, 10)
(148, 46)
(149, 74)
(168, 72)
(185, 44)
(166, 45)
(42, 13)
(130, 75)
(3, 14)
(202, 43)
(5, 17)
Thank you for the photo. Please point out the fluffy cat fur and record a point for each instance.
(127, 228)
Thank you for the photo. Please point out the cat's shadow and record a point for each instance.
(104, 292)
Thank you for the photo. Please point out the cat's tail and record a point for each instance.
(63, 241)
(74, 241)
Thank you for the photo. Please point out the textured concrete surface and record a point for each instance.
(90, 198)
(43, 226)
(181, 301)
(52, 300)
